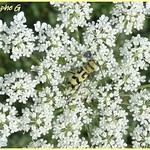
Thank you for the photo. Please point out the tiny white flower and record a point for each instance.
(127, 16)
(73, 15)
(8, 121)
(38, 119)
(20, 16)
(139, 106)
(40, 143)
(3, 141)
(21, 39)
(140, 136)
(19, 86)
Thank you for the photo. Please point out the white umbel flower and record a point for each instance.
(127, 78)
(18, 85)
(67, 129)
(128, 16)
(8, 121)
(3, 141)
(112, 127)
(18, 39)
(141, 136)
(137, 52)
(100, 32)
(37, 119)
(40, 143)
(139, 106)
(147, 8)
(73, 14)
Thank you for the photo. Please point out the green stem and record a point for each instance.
(58, 111)
(125, 103)
(144, 86)
(77, 35)
(88, 131)
(35, 59)
(148, 17)
(68, 31)
(125, 95)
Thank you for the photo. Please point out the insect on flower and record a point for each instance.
(79, 76)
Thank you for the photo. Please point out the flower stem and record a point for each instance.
(77, 35)
(125, 95)
(88, 131)
(125, 104)
(144, 86)
(68, 31)
(35, 59)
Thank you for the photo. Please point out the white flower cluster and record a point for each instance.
(60, 50)
(8, 122)
(92, 114)
(112, 123)
(18, 86)
(3, 141)
(135, 55)
(99, 38)
(40, 144)
(67, 129)
(127, 78)
(73, 15)
(141, 137)
(17, 40)
(49, 37)
(136, 51)
(147, 8)
(107, 96)
(128, 16)
(100, 32)
(139, 106)
(37, 119)
(107, 62)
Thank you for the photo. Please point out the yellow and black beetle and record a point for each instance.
(79, 76)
